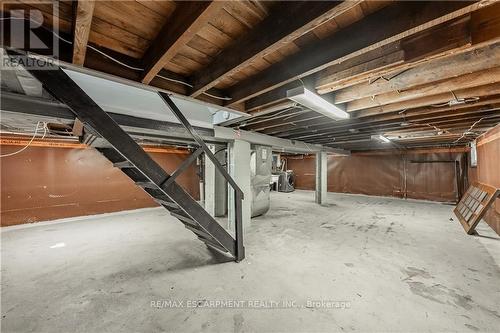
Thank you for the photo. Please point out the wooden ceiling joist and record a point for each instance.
(395, 22)
(451, 130)
(450, 38)
(291, 120)
(420, 114)
(82, 23)
(413, 125)
(276, 126)
(286, 22)
(396, 66)
(324, 132)
(190, 17)
(451, 97)
(449, 67)
(440, 41)
(488, 76)
(440, 128)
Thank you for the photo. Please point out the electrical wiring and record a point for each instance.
(470, 128)
(191, 86)
(258, 118)
(218, 97)
(218, 151)
(387, 79)
(439, 130)
(444, 131)
(456, 101)
(174, 80)
(288, 117)
(32, 138)
(279, 113)
(114, 59)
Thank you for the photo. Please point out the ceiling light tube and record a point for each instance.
(316, 103)
(381, 138)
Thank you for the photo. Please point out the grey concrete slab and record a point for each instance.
(370, 264)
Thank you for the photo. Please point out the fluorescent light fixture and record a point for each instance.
(381, 138)
(316, 103)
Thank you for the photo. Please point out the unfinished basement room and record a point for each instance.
(250, 166)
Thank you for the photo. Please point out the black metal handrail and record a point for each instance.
(238, 192)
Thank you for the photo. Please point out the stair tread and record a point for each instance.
(213, 245)
(199, 232)
(103, 133)
(185, 219)
(177, 210)
(147, 184)
(170, 204)
(110, 153)
(123, 164)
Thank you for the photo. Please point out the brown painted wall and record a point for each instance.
(44, 183)
(488, 171)
(372, 175)
(385, 174)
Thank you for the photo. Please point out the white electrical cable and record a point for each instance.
(217, 97)
(32, 138)
(470, 129)
(272, 115)
(174, 80)
(191, 86)
(116, 60)
(275, 114)
(113, 59)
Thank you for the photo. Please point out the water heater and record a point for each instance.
(260, 175)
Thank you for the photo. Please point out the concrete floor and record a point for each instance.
(384, 264)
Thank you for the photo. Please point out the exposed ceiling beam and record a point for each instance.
(410, 115)
(471, 80)
(419, 151)
(190, 17)
(445, 39)
(270, 98)
(434, 100)
(449, 124)
(395, 22)
(449, 129)
(290, 120)
(422, 125)
(413, 125)
(441, 69)
(278, 124)
(452, 41)
(278, 144)
(414, 120)
(286, 22)
(276, 116)
(305, 123)
(96, 61)
(30, 105)
(27, 107)
(100, 63)
(10, 80)
(82, 23)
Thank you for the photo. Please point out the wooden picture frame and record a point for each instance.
(474, 204)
